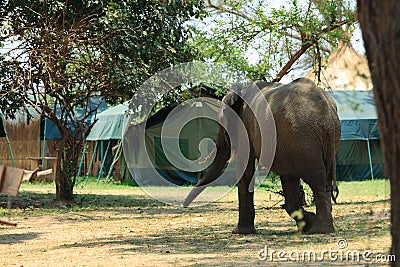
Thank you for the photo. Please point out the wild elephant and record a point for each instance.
(307, 140)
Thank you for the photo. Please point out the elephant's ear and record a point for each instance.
(231, 103)
(233, 95)
(230, 99)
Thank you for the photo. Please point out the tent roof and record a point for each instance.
(357, 114)
(109, 124)
(355, 105)
(344, 69)
(116, 110)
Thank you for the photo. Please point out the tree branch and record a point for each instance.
(264, 27)
(307, 43)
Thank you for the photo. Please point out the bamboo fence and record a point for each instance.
(25, 142)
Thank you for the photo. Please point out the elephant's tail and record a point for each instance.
(333, 148)
(335, 189)
(331, 169)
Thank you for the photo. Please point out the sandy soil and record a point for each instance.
(148, 233)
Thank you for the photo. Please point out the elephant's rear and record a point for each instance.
(308, 130)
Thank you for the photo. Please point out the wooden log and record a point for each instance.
(30, 175)
(45, 176)
(8, 223)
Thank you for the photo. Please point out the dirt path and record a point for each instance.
(159, 235)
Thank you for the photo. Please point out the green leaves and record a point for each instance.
(261, 38)
(71, 51)
(103, 47)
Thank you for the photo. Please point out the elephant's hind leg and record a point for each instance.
(293, 204)
(322, 196)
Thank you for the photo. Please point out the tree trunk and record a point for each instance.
(67, 167)
(64, 190)
(380, 25)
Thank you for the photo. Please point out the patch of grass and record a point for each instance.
(355, 190)
(36, 199)
(365, 188)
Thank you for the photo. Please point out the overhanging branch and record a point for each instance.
(307, 43)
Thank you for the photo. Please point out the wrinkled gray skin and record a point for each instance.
(308, 134)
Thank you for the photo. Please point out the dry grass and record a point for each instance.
(121, 226)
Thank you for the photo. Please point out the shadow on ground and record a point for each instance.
(35, 204)
(17, 238)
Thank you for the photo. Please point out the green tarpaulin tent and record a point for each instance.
(110, 125)
(360, 153)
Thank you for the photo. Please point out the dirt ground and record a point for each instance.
(144, 232)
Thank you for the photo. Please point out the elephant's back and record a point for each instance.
(304, 120)
(301, 104)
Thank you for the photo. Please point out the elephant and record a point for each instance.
(307, 140)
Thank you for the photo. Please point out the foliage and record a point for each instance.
(272, 184)
(67, 52)
(266, 38)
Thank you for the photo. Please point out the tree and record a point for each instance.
(380, 25)
(266, 40)
(68, 52)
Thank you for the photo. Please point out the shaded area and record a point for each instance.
(88, 202)
(17, 238)
(215, 246)
(140, 228)
(29, 203)
(217, 237)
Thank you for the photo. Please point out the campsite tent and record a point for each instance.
(346, 75)
(105, 133)
(360, 153)
(111, 123)
(49, 131)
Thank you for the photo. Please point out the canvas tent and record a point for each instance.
(111, 123)
(106, 132)
(360, 153)
(49, 131)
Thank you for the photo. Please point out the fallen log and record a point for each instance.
(45, 176)
(30, 175)
(7, 223)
